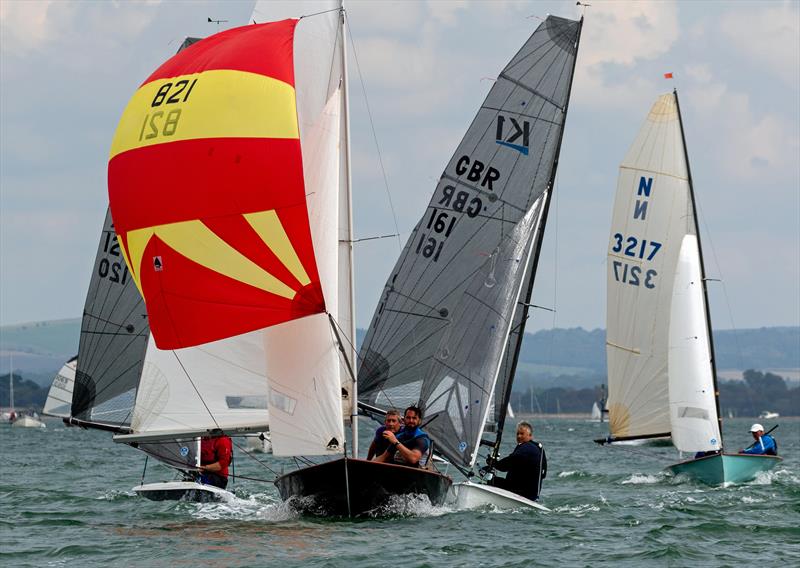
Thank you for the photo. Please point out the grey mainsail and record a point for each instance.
(440, 332)
(114, 334)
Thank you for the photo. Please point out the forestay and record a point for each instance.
(440, 331)
(652, 216)
(114, 334)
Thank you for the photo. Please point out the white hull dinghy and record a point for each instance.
(469, 495)
(183, 491)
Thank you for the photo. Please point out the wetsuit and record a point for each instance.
(526, 467)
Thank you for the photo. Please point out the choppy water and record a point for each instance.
(65, 499)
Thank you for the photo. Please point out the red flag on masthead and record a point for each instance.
(668, 75)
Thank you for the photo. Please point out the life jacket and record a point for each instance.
(405, 437)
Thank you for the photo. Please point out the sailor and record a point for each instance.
(215, 457)
(526, 466)
(410, 444)
(380, 444)
(764, 443)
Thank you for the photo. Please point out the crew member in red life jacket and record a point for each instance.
(215, 457)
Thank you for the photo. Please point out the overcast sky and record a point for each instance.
(67, 70)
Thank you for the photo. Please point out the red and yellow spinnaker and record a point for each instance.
(206, 187)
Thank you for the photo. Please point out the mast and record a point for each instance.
(348, 191)
(11, 382)
(702, 267)
(533, 267)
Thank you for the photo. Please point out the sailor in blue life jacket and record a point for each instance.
(764, 443)
(526, 466)
(380, 444)
(410, 444)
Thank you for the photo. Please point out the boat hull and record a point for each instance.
(725, 468)
(183, 491)
(468, 495)
(28, 422)
(323, 489)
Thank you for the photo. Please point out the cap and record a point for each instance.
(756, 428)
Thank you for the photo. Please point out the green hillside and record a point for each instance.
(57, 337)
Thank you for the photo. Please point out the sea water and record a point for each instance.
(66, 500)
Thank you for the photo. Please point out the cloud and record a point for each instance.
(746, 146)
(616, 38)
(768, 36)
(25, 26)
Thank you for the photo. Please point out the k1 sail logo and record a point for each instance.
(513, 135)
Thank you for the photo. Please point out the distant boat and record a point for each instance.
(597, 415)
(20, 420)
(767, 415)
(661, 372)
(59, 397)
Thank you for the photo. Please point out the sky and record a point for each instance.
(67, 70)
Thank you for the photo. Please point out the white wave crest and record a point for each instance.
(641, 479)
(568, 473)
(409, 506)
(577, 510)
(748, 499)
(261, 506)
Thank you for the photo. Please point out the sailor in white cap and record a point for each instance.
(764, 443)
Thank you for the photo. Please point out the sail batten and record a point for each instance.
(439, 334)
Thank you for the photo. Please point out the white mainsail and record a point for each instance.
(59, 397)
(692, 405)
(652, 215)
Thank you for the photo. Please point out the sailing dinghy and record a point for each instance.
(449, 325)
(247, 231)
(662, 378)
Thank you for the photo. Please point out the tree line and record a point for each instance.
(758, 392)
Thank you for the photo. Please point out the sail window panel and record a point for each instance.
(191, 390)
(281, 401)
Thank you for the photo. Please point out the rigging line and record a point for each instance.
(92, 316)
(258, 461)
(369, 238)
(191, 382)
(722, 281)
(531, 90)
(414, 314)
(372, 127)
